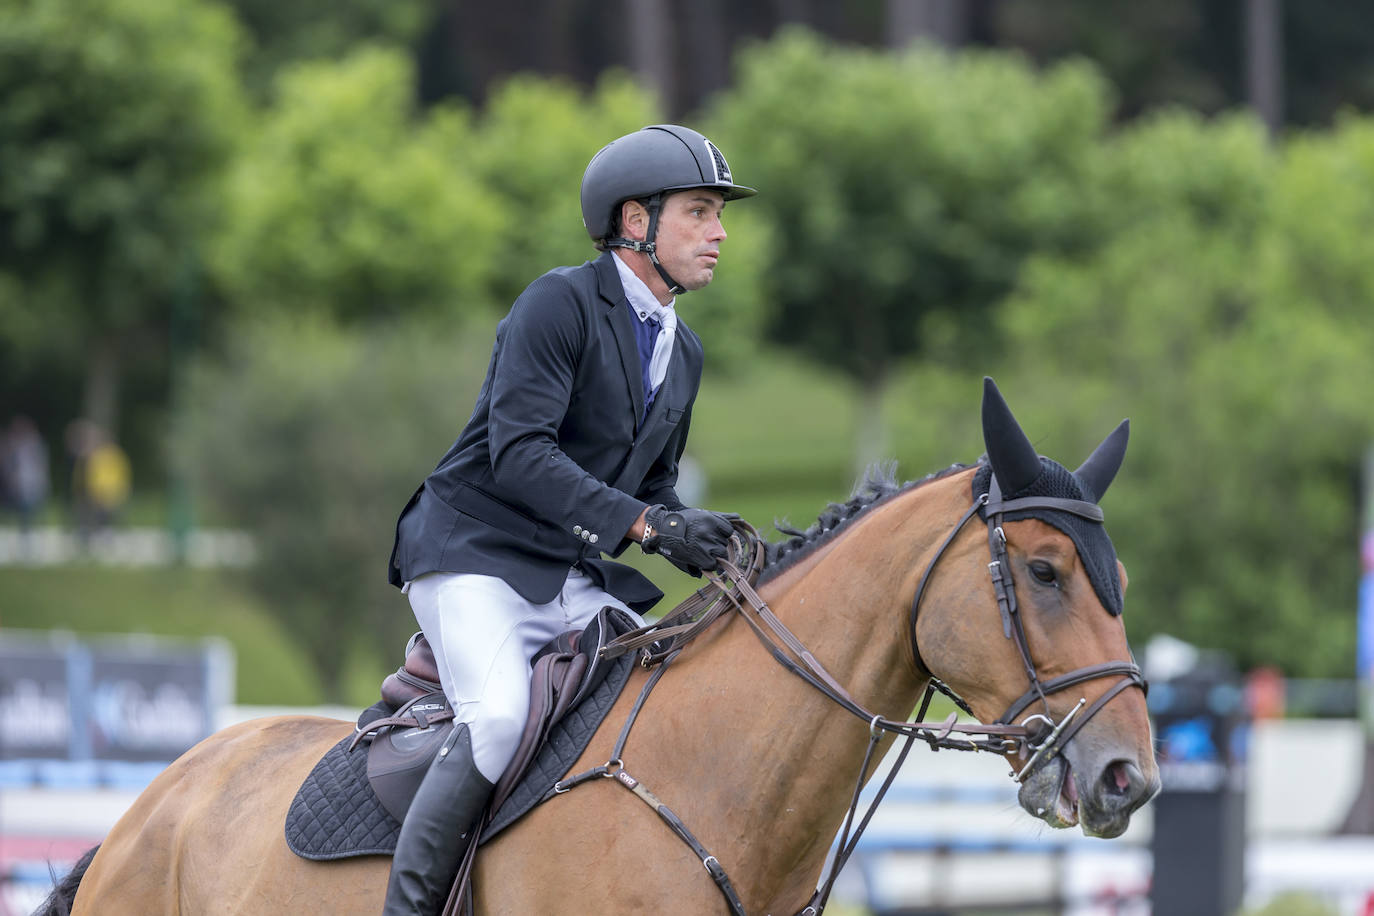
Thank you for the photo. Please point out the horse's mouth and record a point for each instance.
(1103, 809)
(1051, 794)
(1066, 802)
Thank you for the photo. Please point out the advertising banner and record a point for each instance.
(35, 708)
(134, 699)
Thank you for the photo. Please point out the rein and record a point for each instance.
(731, 587)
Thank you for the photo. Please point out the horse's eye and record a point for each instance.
(1042, 571)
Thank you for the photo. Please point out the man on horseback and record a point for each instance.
(572, 449)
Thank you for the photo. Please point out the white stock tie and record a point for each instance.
(663, 345)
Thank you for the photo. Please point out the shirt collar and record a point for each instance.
(644, 303)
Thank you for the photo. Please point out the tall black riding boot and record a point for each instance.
(446, 806)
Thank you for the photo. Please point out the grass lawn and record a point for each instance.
(174, 601)
(774, 440)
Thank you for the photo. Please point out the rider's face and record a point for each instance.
(689, 235)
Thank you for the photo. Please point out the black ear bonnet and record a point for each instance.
(1095, 549)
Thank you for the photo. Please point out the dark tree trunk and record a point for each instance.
(100, 400)
(651, 51)
(942, 21)
(1264, 60)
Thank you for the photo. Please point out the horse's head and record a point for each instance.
(1041, 642)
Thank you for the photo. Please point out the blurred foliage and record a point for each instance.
(925, 218)
(905, 191)
(533, 140)
(347, 202)
(1232, 324)
(313, 437)
(281, 34)
(930, 207)
(117, 118)
(1166, 52)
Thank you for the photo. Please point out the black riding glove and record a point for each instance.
(691, 539)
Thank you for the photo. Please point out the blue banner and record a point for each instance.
(135, 699)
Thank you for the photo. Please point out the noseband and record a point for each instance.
(1052, 736)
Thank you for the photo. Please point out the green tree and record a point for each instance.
(904, 191)
(116, 119)
(349, 202)
(531, 144)
(282, 34)
(311, 437)
(1226, 313)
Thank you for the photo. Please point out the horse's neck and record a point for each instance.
(782, 758)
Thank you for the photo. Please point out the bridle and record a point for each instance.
(731, 588)
(1052, 735)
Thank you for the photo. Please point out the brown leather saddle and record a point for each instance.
(404, 729)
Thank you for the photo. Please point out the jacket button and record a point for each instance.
(577, 529)
(593, 539)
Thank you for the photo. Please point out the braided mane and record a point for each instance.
(878, 484)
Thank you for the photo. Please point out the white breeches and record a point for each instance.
(483, 635)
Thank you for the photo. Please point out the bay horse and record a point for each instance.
(884, 593)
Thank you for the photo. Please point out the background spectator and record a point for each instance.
(24, 470)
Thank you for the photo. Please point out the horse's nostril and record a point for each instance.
(1119, 777)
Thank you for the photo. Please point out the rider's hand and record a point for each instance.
(691, 539)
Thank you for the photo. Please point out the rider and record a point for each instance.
(572, 449)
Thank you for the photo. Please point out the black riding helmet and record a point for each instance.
(650, 163)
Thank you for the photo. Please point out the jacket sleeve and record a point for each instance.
(541, 344)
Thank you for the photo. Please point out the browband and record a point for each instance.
(1079, 507)
(996, 505)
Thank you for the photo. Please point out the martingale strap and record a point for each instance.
(615, 769)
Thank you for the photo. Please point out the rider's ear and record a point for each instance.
(1014, 460)
(634, 220)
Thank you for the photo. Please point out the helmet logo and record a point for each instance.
(718, 162)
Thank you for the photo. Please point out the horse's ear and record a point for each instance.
(1014, 459)
(1100, 469)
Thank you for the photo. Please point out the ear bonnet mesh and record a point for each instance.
(1095, 549)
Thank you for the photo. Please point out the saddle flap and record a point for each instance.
(398, 758)
(564, 673)
(338, 812)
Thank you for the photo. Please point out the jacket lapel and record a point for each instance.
(654, 433)
(621, 319)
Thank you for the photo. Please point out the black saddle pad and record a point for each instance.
(335, 814)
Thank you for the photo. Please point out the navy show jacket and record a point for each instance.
(553, 467)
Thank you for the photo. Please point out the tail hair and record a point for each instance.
(59, 902)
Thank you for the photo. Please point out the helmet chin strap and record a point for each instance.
(650, 246)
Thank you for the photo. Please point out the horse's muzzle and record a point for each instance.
(1100, 800)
